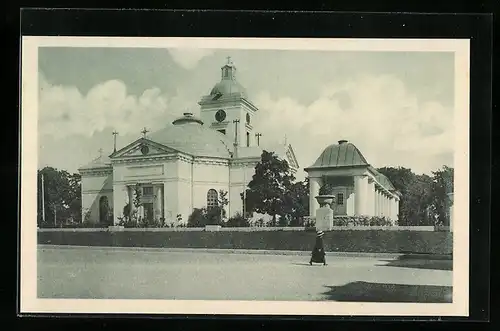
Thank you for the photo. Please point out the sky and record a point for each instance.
(396, 107)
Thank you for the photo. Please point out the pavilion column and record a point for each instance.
(371, 197)
(361, 192)
(382, 204)
(386, 205)
(397, 209)
(377, 207)
(394, 209)
(158, 201)
(314, 185)
(389, 207)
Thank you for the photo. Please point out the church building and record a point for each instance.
(186, 164)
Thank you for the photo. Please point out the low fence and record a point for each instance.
(346, 240)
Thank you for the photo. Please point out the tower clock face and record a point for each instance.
(220, 115)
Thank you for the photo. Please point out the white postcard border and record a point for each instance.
(29, 303)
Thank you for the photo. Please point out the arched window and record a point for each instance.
(212, 198)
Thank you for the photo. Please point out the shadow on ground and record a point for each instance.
(380, 292)
(433, 263)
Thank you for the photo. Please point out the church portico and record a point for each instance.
(360, 190)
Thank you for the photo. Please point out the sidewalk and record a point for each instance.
(256, 251)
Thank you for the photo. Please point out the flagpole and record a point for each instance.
(43, 199)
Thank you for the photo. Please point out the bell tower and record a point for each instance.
(227, 108)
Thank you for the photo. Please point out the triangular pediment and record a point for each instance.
(290, 157)
(143, 147)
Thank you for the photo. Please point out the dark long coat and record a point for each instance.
(318, 253)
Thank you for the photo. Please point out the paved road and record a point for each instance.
(107, 273)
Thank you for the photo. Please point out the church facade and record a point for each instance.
(186, 164)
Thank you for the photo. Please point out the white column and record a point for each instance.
(158, 201)
(394, 209)
(377, 202)
(371, 197)
(361, 190)
(386, 206)
(383, 212)
(397, 209)
(389, 207)
(314, 185)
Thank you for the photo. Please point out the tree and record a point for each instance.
(61, 196)
(267, 191)
(298, 202)
(222, 202)
(442, 184)
(415, 195)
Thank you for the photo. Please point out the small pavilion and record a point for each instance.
(358, 187)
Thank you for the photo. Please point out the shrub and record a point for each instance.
(361, 221)
(237, 221)
(198, 218)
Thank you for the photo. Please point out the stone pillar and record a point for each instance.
(314, 185)
(361, 190)
(371, 197)
(324, 218)
(158, 201)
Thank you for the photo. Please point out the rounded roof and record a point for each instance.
(188, 135)
(342, 154)
(228, 87)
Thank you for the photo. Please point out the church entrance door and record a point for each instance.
(148, 211)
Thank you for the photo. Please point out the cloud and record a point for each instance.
(188, 58)
(376, 113)
(64, 110)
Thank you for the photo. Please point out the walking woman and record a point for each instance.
(318, 253)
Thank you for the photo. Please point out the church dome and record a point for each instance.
(228, 87)
(342, 154)
(187, 134)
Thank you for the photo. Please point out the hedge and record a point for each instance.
(369, 241)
